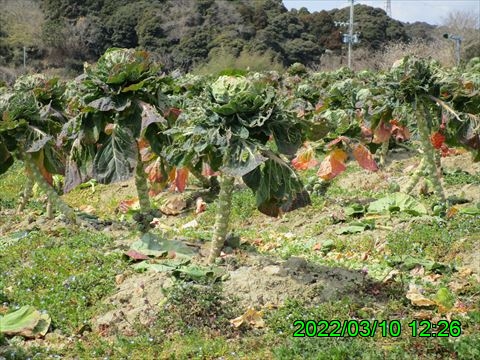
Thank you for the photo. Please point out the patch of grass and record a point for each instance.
(196, 306)
(11, 184)
(460, 177)
(436, 240)
(64, 273)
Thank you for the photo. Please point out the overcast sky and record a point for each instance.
(430, 11)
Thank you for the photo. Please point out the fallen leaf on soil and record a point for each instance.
(120, 278)
(459, 285)
(417, 271)
(465, 272)
(250, 317)
(88, 209)
(422, 315)
(173, 205)
(26, 321)
(391, 276)
(452, 212)
(432, 278)
(126, 205)
(190, 225)
(200, 206)
(136, 255)
(418, 299)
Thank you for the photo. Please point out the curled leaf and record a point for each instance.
(417, 299)
(251, 317)
(382, 133)
(332, 165)
(305, 158)
(399, 132)
(364, 158)
(437, 139)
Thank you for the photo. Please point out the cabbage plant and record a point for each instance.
(116, 109)
(31, 119)
(237, 126)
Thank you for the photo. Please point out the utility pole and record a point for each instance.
(350, 35)
(388, 7)
(458, 42)
(349, 38)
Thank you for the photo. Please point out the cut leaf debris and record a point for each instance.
(251, 317)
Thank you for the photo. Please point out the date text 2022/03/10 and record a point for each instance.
(370, 328)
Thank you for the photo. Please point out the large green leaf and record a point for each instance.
(26, 321)
(109, 103)
(277, 187)
(153, 245)
(150, 115)
(117, 157)
(6, 158)
(243, 158)
(397, 202)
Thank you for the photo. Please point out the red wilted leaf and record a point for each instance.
(207, 170)
(154, 173)
(401, 133)
(364, 158)
(181, 179)
(135, 255)
(305, 158)
(172, 113)
(39, 160)
(446, 151)
(366, 132)
(126, 205)
(337, 140)
(200, 206)
(319, 106)
(437, 139)
(382, 133)
(332, 165)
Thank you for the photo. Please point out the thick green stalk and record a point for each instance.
(52, 195)
(384, 152)
(27, 191)
(141, 185)
(222, 217)
(429, 151)
(203, 179)
(49, 209)
(415, 177)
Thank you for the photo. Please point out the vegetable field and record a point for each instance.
(241, 215)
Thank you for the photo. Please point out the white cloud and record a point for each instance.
(431, 11)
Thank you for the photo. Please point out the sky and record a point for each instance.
(430, 11)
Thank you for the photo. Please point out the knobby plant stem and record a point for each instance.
(416, 176)
(429, 151)
(52, 195)
(198, 175)
(49, 209)
(27, 191)
(384, 152)
(222, 217)
(141, 185)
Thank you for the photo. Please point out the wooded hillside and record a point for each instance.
(186, 33)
